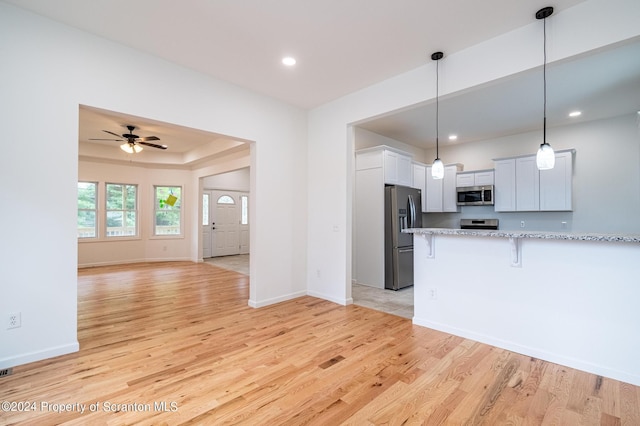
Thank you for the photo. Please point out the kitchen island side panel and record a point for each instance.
(574, 302)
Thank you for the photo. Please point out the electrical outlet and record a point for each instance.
(522, 224)
(433, 293)
(14, 320)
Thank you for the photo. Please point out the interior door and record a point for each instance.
(225, 223)
(206, 224)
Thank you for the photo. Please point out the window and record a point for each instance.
(87, 209)
(168, 200)
(121, 201)
(244, 207)
(225, 199)
(205, 209)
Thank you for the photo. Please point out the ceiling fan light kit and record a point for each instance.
(130, 148)
(133, 142)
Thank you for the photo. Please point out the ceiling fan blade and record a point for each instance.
(114, 134)
(148, 138)
(120, 140)
(153, 145)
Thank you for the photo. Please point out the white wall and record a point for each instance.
(367, 139)
(47, 71)
(237, 180)
(606, 177)
(330, 173)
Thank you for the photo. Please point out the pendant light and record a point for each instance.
(545, 158)
(437, 168)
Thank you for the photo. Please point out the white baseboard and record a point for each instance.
(129, 261)
(343, 302)
(267, 302)
(39, 355)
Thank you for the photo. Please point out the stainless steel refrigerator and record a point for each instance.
(402, 209)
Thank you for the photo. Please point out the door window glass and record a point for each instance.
(244, 207)
(205, 209)
(225, 199)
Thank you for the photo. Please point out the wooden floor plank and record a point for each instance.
(176, 343)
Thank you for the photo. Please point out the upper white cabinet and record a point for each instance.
(396, 165)
(476, 178)
(465, 179)
(556, 192)
(441, 193)
(520, 186)
(419, 182)
(505, 185)
(397, 168)
(485, 177)
(527, 184)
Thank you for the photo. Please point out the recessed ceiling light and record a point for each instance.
(453, 137)
(289, 61)
(575, 113)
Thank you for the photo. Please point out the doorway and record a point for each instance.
(225, 223)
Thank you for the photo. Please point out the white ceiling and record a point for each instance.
(601, 85)
(343, 46)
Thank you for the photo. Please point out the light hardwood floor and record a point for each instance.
(182, 334)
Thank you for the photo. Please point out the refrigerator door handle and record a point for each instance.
(411, 207)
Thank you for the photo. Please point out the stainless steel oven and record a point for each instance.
(479, 224)
(475, 195)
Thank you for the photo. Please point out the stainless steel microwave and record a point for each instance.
(475, 195)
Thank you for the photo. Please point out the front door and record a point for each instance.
(225, 222)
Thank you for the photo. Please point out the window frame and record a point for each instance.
(124, 211)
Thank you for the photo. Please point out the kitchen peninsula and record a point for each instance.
(567, 298)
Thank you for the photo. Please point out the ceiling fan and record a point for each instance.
(133, 142)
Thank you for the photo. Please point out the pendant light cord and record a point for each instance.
(544, 80)
(437, 108)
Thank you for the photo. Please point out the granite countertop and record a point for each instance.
(627, 238)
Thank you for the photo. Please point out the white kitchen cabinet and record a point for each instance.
(419, 182)
(441, 193)
(465, 179)
(520, 186)
(395, 165)
(397, 168)
(475, 178)
(527, 184)
(555, 184)
(484, 177)
(505, 185)
(449, 194)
